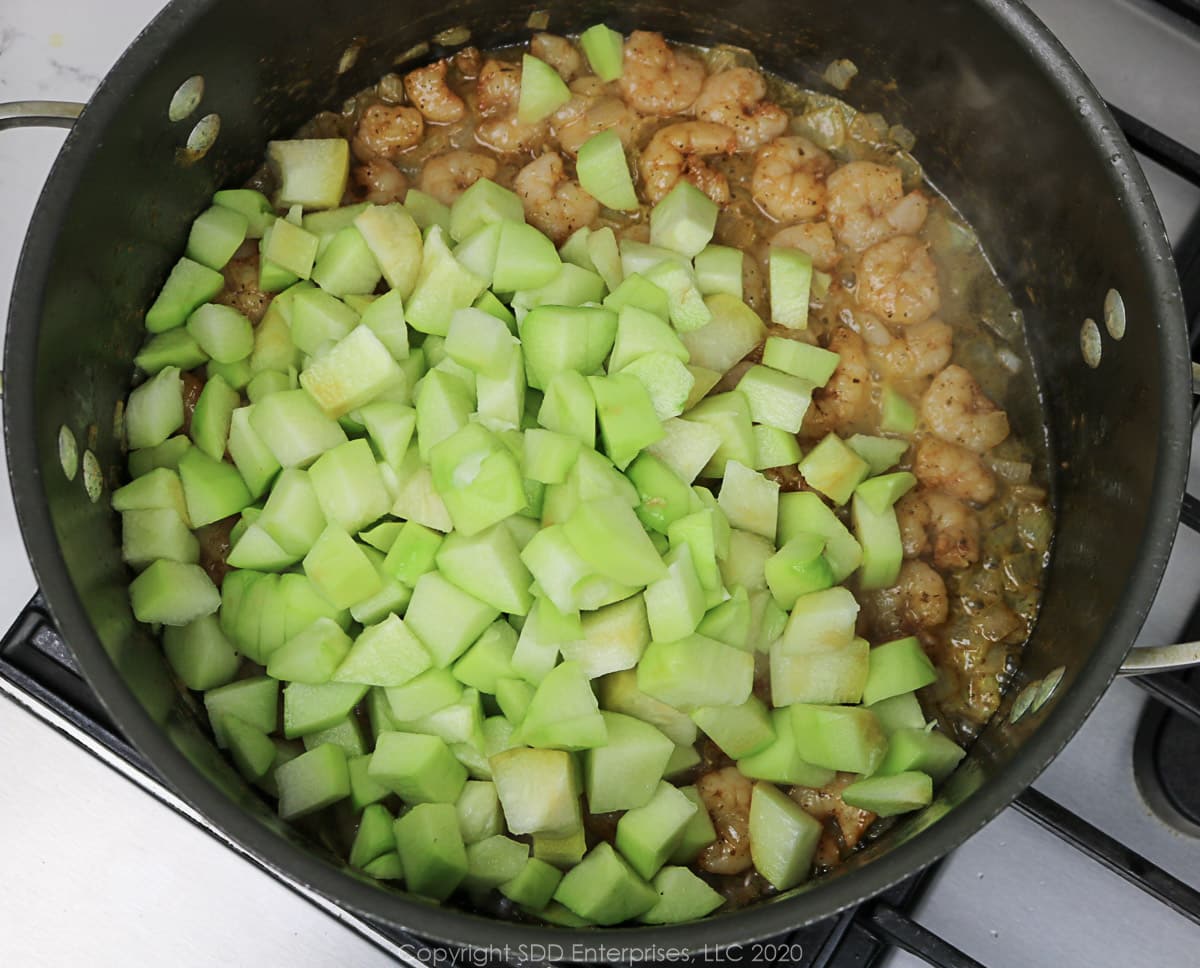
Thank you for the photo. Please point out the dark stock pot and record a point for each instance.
(1007, 127)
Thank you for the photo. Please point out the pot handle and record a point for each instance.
(1184, 655)
(38, 114)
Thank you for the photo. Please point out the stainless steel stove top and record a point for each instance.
(95, 872)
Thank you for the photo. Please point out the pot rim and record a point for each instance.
(459, 927)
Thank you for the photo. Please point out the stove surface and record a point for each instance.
(133, 880)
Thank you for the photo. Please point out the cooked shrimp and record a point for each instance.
(726, 794)
(427, 89)
(958, 411)
(379, 182)
(845, 397)
(735, 98)
(559, 53)
(933, 521)
(815, 238)
(678, 151)
(241, 290)
(922, 350)
(789, 179)
(954, 470)
(447, 176)
(922, 598)
(898, 280)
(590, 111)
(555, 204)
(386, 130)
(844, 824)
(499, 92)
(912, 515)
(657, 80)
(468, 61)
(867, 205)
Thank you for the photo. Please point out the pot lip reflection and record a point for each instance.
(28, 456)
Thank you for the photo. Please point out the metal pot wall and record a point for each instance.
(1007, 127)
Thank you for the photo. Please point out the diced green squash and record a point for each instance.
(675, 603)
(374, 836)
(483, 203)
(834, 469)
(477, 477)
(563, 713)
(312, 656)
(625, 772)
(294, 427)
(880, 453)
(741, 730)
(608, 536)
(846, 738)
(340, 570)
(494, 861)
(429, 692)
(538, 790)
(719, 269)
(443, 284)
(310, 709)
(924, 750)
(155, 409)
(611, 638)
(603, 888)
(803, 360)
(188, 286)
(479, 813)
(881, 493)
(750, 500)
(364, 790)
(667, 381)
(287, 253)
(175, 347)
(418, 767)
(803, 512)
(487, 565)
(897, 667)
(822, 620)
(697, 834)
(561, 851)
(798, 568)
(686, 307)
(317, 318)
(311, 172)
(696, 671)
(732, 332)
(385, 654)
(251, 205)
(153, 533)
(426, 210)
(636, 290)
(780, 761)
(783, 838)
(729, 415)
(619, 693)
(557, 338)
(686, 447)
(887, 796)
(896, 414)
(604, 49)
(604, 172)
(446, 619)
(200, 654)
(164, 455)
(394, 238)
(684, 220)
(254, 701)
(731, 622)
(348, 486)
(525, 259)
(431, 850)
(356, 370)
(253, 752)
(534, 886)
(899, 712)
(879, 536)
(172, 593)
(818, 676)
(682, 896)
(790, 272)
(347, 734)
(312, 781)
(647, 835)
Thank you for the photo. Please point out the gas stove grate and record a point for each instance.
(38, 671)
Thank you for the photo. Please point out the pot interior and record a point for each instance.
(1012, 142)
